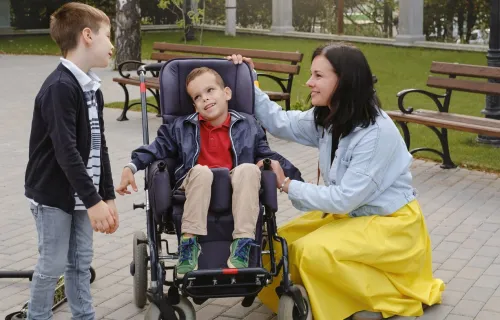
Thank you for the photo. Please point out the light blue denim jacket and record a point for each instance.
(370, 174)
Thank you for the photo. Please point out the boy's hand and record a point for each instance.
(114, 212)
(101, 217)
(238, 59)
(127, 179)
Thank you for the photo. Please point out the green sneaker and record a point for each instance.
(189, 251)
(240, 251)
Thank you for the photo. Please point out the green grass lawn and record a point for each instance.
(396, 69)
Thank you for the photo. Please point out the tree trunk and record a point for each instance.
(128, 32)
(461, 20)
(471, 19)
(450, 14)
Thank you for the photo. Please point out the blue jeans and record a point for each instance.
(65, 246)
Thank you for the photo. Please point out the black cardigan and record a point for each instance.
(59, 146)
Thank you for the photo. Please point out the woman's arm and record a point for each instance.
(297, 126)
(367, 166)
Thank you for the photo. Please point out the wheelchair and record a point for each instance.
(164, 207)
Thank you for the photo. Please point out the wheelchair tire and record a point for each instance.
(287, 309)
(18, 315)
(184, 310)
(92, 275)
(140, 256)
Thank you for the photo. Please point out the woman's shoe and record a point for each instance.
(367, 315)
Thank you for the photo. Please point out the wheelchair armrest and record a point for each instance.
(159, 186)
(269, 195)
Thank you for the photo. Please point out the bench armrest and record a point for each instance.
(434, 97)
(278, 80)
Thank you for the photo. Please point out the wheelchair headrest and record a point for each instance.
(174, 99)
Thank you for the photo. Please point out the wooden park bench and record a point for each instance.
(442, 118)
(285, 64)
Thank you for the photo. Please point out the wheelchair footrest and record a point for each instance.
(220, 283)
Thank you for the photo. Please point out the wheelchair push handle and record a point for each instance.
(150, 67)
(267, 164)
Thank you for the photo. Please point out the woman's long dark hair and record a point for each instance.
(354, 102)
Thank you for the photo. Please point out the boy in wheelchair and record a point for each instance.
(212, 137)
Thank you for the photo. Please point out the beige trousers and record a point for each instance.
(245, 180)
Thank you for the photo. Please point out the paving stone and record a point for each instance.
(472, 273)
(493, 270)
(468, 308)
(445, 275)
(457, 317)
(451, 298)
(488, 281)
(210, 312)
(454, 264)
(463, 253)
(457, 237)
(480, 262)
(239, 311)
(458, 284)
(479, 294)
(487, 315)
(493, 304)
(124, 312)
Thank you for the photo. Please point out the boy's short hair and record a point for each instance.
(199, 71)
(69, 20)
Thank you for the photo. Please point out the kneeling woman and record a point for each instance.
(370, 257)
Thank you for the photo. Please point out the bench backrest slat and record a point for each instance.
(224, 51)
(263, 66)
(464, 85)
(465, 70)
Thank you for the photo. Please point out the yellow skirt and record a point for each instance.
(374, 263)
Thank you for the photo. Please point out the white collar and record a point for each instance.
(88, 81)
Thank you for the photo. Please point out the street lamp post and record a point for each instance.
(492, 109)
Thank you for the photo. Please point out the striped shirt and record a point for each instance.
(94, 163)
(89, 82)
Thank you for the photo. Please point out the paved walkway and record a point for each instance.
(461, 208)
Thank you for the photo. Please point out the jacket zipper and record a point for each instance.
(232, 144)
(194, 158)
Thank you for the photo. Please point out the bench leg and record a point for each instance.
(443, 138)
(123, 116)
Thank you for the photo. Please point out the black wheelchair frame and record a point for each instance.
(193, 283)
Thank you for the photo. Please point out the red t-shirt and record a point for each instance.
(215, 148)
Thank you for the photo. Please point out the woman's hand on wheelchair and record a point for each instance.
(238, 59)
(126, 180)
(276, 168)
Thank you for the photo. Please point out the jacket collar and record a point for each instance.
(235, 116)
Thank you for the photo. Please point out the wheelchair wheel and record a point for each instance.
(287, 309)
(92, 275)
(140, 256)
(18, 315)
(184, 310)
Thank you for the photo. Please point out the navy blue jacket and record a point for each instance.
(181, 140)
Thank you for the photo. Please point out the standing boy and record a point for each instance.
(68, 177)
